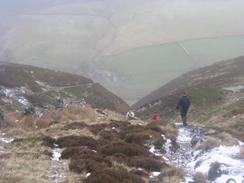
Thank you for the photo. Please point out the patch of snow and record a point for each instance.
(23, 101)
(234, 88)
(14, 94)
(88, 174)
(188, 158)
(6, 140)
(154, 151)
(227, 156)
(163, 136)
(224, 178)
(155, 174)
(56, 155)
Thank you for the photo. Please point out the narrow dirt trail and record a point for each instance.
(59, 168)
(184, 152)
(192, 159)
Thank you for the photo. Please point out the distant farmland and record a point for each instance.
(144, 69)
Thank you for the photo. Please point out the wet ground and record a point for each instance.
(193, 160)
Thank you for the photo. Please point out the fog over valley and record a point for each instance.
(103, 38)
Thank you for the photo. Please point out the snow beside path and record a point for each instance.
(192, 160)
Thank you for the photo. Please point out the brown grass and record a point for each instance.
(147, 163)
(75, 152)
(96, 128)
(24, 170)
(123, 148)
(140, 173)
(28, 122)
(79, 134)
(43, 123)
(86, 165)
(107, 135)
(17, 132)
(76, 125)
(48, 141)
(119, 124)
(199, 178)
(73, 141)
(75, 113)
(227, 139)
(113, 176)
(141, 135)
(210, 143)
(171, 174)
(241, 152)
(174, 171)
(12, 118)
(137, 138)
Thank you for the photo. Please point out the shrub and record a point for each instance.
(85, 160)
(124, 148)
(119, 124)
(89, 165)
(154, 127)
(73, 152)
(140, 173)
(113, 176)
(137, 138)
(108, 135)
(76, 125)
(140, 135)
(95, 129)
(48, 141)
(72, 141)
(147, 163)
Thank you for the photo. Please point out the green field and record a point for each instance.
(147, 68)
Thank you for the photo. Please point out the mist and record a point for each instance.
(94, 38)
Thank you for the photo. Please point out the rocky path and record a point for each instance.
(59, 168)
(3, 141)
(217, 164)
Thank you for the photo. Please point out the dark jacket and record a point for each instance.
(184, 103)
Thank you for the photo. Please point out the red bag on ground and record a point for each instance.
(156, 117)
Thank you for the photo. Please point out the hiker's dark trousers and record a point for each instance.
(183, 113)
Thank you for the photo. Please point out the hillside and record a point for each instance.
(78, 143)
(97, 37)
(142, 70)
(23, 84)
(216, 92)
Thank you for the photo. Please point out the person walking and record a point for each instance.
(183, 105)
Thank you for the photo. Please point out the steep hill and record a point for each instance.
(23, 84)
(97, 37)
(217, 94)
